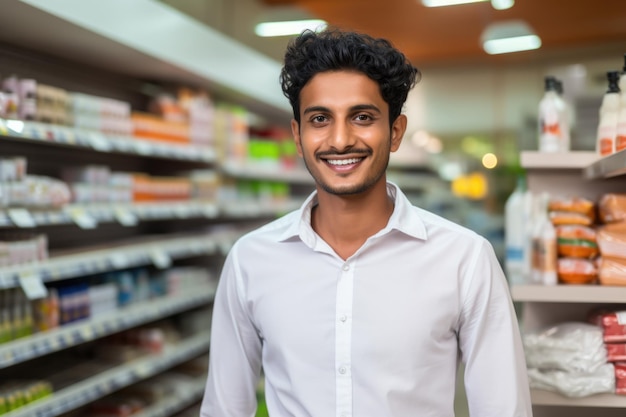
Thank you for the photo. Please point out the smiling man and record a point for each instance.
(360, 304)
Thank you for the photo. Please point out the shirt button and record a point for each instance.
(343, 318)
(342, 370)
(345, 267)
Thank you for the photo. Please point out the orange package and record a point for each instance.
(576, 270)
(570, 217)
(580, 205)
(612, 208)
(612, 240)
(612, 271)
(576, 241)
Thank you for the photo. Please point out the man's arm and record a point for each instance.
(235, 355)
(496, 379)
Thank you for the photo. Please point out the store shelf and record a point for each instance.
(113, 379)
(254, 208)
(607, 167)
(267, 172)
(187, 395)
(541, 397)
(157, 251)
(87, 216)
(49, 134)
(40, 344)
(557, 160)
(569, 293)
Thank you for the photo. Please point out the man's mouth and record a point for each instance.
(341, 162)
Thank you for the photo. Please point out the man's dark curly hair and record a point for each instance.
(333, 49)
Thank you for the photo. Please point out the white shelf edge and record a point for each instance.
(542, 397)
(46, 134)
(89, 215)
(557, 160)
(607, 167)
(569, 293)
(169, 406)
(91, 261)
(266, 172)
(115, 378)
(44, 343)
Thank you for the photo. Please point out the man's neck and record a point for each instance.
(346, 222)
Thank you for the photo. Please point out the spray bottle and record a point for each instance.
(609, 114)
(620, 137)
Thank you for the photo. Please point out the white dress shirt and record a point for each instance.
(377, 335)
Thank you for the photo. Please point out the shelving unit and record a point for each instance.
(570, 174)
(106, 49)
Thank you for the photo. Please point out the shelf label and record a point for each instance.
(32, 285)
(125, 217)
(82, 218)
(99, 142)
(21, 217)
(119, 260)
(160, 259)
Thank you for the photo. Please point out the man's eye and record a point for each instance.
(318, 119)
(363, 117)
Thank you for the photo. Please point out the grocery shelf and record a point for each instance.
(158, 251)
(187, 395)
(541, 397)
(267, 172)
(557, 160)
(569, 293)
(44, 133)
(607, 167)
(113, 379)
(44, 343)
(87, 216)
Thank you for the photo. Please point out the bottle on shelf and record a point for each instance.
(620, 137)
(551, 128)
(544, 257)
(564, 117)
(609, 113)
(515, 234)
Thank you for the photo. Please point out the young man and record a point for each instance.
(360, 304)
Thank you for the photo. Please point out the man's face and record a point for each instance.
(344, 135)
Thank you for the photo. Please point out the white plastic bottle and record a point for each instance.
(544, 245)
(514, 234)
(564, 118)
(620, 137)
(609, 114)
(550, 129)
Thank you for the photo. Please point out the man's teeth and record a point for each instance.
(343, 161)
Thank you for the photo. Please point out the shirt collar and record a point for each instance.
(404, 218)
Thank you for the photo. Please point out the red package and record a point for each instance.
(613, 324)
(616, 352)
(620, 378)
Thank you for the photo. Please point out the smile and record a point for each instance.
(339, 162)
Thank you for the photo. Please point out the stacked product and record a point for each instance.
(612, 239)
(569, 358)
(613, 325)
(574, 220)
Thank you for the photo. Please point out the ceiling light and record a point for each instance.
(511, 36)
(439, 3)
(288, 27)
(502, 4)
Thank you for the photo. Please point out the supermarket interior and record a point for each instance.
(139, 140)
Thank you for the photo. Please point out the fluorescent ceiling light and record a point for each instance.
(287, 28)
(511, 36)
(502, 4)
(439, 3)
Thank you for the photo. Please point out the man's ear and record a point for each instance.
(397, 132)
(295, 131)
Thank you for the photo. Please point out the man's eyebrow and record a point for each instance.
(313, 109)
(357, 107)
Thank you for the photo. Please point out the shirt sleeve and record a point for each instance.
(496, 380)
(235, 354)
